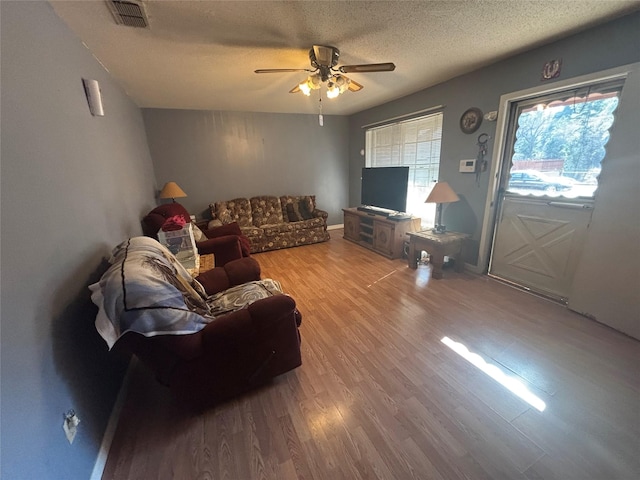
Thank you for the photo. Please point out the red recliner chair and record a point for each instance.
(226, 242)
(232, 354)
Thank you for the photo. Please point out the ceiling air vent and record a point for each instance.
(128, 13)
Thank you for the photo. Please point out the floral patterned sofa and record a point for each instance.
(272, 222)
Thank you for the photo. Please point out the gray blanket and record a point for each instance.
(146, 290)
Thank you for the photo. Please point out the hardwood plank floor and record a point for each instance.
(379, 395)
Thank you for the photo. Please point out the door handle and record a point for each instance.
(574, 206)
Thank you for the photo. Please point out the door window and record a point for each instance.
(558, 141)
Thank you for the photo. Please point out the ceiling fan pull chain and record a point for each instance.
(320, 117)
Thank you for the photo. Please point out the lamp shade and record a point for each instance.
(442, 193)
(172, 190)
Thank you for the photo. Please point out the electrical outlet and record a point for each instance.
(70, 425)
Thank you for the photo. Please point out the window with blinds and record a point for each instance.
(413, 143)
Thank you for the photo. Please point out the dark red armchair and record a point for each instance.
(225, 242)
(234, 353)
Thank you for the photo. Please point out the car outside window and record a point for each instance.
(559, 141)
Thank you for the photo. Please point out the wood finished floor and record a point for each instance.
(380, 396)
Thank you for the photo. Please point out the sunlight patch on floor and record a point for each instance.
(510, 383)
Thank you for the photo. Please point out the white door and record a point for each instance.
(539, 242)
(549, 176)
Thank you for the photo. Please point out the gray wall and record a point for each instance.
(610, 45)
(217, 156)
(72, 187)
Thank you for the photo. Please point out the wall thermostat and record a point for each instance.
(467, 166)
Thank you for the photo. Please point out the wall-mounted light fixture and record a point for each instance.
(94, 97)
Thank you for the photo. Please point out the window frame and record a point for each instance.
(405, 147)
(577, 95)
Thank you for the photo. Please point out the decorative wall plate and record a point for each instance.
(551, 69)
(471, 120)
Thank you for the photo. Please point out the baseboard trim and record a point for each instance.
(335, 227)
(474, 268)
(109, 433)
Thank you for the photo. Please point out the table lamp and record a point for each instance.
(441, 193)
(172, 190)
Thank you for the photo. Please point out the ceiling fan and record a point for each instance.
(324, 60)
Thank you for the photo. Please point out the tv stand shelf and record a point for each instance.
(379, 233)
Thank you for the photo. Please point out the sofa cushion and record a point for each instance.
(306, 202)
(251, 231)
(276, 228)
(306, 207)
(308, 224)
(236, 210)
(266, 210)
(293, 214)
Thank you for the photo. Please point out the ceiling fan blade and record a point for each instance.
(295, 89)
(354, 86)
(368, 67)
(282, 70)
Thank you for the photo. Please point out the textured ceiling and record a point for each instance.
(202, 54)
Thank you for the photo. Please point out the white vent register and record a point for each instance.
(128, 13)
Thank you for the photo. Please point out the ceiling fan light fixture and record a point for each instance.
(315, 81)
(342, 83)
(332, 90)
(305, 88)
(323, 61)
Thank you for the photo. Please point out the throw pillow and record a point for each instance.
(225, 216)
(305, 209)
(293, 213)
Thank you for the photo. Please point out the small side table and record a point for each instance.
(200, 264)
(207, 262)
(437, 245)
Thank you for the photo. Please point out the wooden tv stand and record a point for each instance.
(379, 233)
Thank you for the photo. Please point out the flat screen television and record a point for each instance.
(385, 187)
